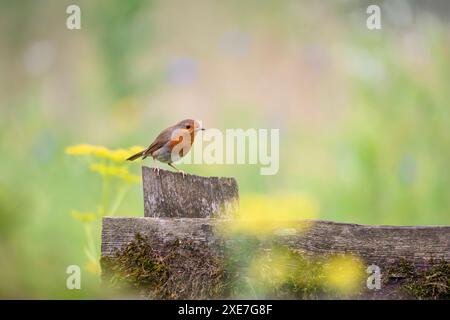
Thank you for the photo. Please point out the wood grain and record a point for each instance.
(172, 195)
(380, 245)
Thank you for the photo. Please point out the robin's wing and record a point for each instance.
(159, 142)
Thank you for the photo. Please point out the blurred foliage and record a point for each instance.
(108, 204)
(258, 271)
(363, 115)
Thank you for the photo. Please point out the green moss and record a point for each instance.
(137, 266)
(188, 270)
(304, 280)
(429, 283)
(279, 272)
(177, 270)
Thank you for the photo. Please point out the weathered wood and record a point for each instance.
(171, 194)
(383, 246)
(380, 245)
(183, 230)
(118, 232)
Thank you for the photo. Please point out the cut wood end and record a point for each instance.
(173, 194)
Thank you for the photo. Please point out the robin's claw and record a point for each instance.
(178, 170)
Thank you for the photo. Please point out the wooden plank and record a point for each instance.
(118, 232)
(174, 195)
(383, 246)
(380, 245)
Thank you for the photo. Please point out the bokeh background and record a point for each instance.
(364, 115)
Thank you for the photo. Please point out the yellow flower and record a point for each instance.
(281, 214)
(135, 149)
(115, 171)
(117, 155)
(88, 149)
(85, 217)
(101, 152)
(344, 274)
(80, 149)
(93, 267)
(120, 155)
(131, 178)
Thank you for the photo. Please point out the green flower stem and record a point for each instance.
(119, 199)
(105, 195)
(91, 247)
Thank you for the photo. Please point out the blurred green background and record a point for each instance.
(364, 116)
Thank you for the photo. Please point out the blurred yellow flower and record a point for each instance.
(117, 155)
(344, 274)
(85, 217)
(93, 267)
(101, 152)
(116, 171)
(81, 149)
(135, 149)
(280, 214)
(110, 163)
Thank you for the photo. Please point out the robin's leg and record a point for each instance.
(178, 170)
(156, 168)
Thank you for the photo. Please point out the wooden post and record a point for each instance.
(174, 195)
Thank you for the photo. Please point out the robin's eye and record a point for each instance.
(188, 127)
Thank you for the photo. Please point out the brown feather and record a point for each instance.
(166, 137)
(159, 142)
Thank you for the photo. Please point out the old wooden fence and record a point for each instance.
(189, 209)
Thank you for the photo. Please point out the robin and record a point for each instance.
(172, 144)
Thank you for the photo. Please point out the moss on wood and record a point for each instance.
(179, 270)
(432, 282)
(188, 270)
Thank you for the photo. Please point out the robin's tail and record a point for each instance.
(136, 156)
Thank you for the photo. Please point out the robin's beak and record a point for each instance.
(198, 126)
